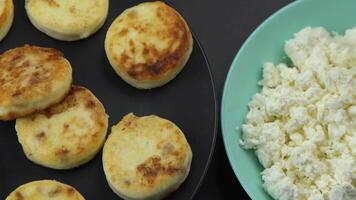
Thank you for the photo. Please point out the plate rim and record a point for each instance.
(235, 167)
(216, 108)
(216, 112)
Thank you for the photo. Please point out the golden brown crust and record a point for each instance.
(29, 74)
(67, 134)
(52, 3)
(45, 189)
(67, 20)
(15, 64)
(153, 168)
(71, 100)
(75, 97)
(168, 26)
(14, 115)
(146, 157)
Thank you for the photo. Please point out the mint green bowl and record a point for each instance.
(266, 44)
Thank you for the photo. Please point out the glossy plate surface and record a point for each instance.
(189, 101)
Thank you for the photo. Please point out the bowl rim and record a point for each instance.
(233, 65)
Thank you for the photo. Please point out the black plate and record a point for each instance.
(188, 100)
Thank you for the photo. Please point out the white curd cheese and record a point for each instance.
(302, 123)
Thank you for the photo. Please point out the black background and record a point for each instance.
(222, 26)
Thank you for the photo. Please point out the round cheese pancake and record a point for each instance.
(45, 190)
(6, 17)
(67, 134)
(148, 44)
(67, 20)
(146, 157)
(32, 78)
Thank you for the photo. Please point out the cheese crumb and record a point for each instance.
(302, 124)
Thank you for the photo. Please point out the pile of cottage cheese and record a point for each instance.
(303, 122)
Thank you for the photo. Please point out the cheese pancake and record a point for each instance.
(45, 190)
(6, 17)
(67, 134)
(67, 20)
(146, 157)
(32, 78)
(148, 44)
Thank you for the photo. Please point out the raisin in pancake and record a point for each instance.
(45, 190)
(148, 44)
(6, 17)
(67, 20)
(146, 157)
(67, 134)
(32, 78)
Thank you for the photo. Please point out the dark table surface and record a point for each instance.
(222, 26)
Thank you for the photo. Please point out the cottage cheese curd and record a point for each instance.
(302, 123)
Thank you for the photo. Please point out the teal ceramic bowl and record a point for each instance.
(266, 44)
